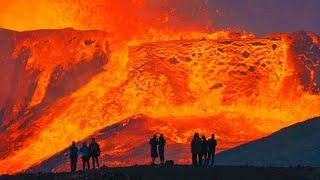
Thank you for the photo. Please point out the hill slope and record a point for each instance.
(126, 143)
(295, 145)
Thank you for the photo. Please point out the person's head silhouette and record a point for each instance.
(203, 137)
(212, 136)
(93, 140)
(73, 143)
(155, 136)
(196, 135)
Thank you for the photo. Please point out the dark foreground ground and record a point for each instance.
(184, 173)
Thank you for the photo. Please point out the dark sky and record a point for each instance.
(264, 16)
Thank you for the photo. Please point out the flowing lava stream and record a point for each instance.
(181, 80)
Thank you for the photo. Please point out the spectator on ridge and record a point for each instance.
(196, 149)
(204, 151)
(154, 152)
(73, 156)
(94, 152)
(212, 143)
(162, 143)
(84, 150)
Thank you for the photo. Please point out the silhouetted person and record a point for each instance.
(196, 149)
(154, 152)
(212, 143)
(94, 151)
(84, 150)
(204, 151)
(162, 143)
(73, 156)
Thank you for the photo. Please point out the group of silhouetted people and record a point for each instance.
(92, 151)
(203, 150)
(157, 148)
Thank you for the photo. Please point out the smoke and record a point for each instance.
(125, 17)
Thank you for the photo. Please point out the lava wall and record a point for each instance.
(234, 75)
(232, 70)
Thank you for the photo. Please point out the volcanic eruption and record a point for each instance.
(65, 84)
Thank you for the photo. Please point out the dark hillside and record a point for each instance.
(295, 145)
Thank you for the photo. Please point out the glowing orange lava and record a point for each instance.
(72, 84)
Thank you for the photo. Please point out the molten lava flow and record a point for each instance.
(37, 68)
(61, 85)
(231, 79)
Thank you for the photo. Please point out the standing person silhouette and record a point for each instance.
(94, 151)
(212, 143)
(84, 150)
(162, 143)
(154, 152)
(204, 151)
(73, 156)
(196, 148)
